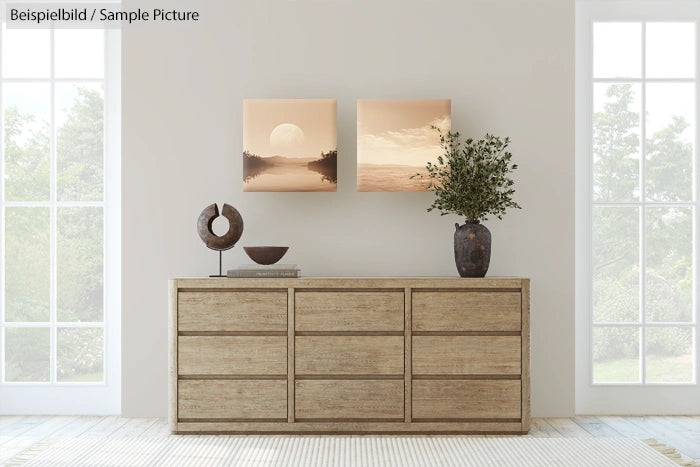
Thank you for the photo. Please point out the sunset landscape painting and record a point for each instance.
(395, 140)
(290, 145)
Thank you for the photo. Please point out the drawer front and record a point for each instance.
(466, 311)
(232, 355)
(460, 399)
(349, 355)
(348, 311)
(466, 355)
(232, 399)
(232, 311)
(349, 399)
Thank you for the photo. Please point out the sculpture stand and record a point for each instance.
(221, 252)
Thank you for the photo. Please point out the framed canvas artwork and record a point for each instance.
(395, 140)
(290, 145)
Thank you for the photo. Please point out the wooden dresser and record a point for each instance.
(341, 355)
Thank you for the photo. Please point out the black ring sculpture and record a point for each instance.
(226, 241)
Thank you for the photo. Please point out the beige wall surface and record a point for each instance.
(507, 65)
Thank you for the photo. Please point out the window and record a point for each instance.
(59, 261)
(637, 227)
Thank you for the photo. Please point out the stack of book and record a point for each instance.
(261, 270)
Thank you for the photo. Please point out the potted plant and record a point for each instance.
(472, 179)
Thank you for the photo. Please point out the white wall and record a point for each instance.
(507, 65)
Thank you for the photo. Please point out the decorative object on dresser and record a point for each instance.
(224, 242)
(363, 355)
(395, 138)
(266, 257)
(265, 254)
(249, 271)
(472, 179)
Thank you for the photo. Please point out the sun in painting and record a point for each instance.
(285, 135)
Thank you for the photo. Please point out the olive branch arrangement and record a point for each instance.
(472, 177)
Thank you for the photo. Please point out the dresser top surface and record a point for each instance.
(354, 282)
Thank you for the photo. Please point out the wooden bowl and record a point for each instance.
(265, 254)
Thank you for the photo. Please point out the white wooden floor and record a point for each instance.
(18, 433)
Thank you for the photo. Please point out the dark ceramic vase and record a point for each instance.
(472, 249)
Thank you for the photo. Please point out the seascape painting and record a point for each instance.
(290, 145)
(395, 140)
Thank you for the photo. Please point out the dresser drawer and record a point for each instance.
(232, 399)
(349, 355)
(466, 355)
(349, 399)
(466, 311)
(232, 311)
(232, 355)
(349, 311)
(466, 399)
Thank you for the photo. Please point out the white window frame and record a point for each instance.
(622, 398)
(98, 398)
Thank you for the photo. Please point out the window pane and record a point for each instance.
(669, 264)
(27, 264)
(79, 269)
(670, 50)
(616, 142)
(80, 354)
(669, 355)
(26, 118)
(18, 45)
(79, 145)
(617, 50)
(615, 355)
(615, 264)
(79, 53)
(670, 141)
(27, 354)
